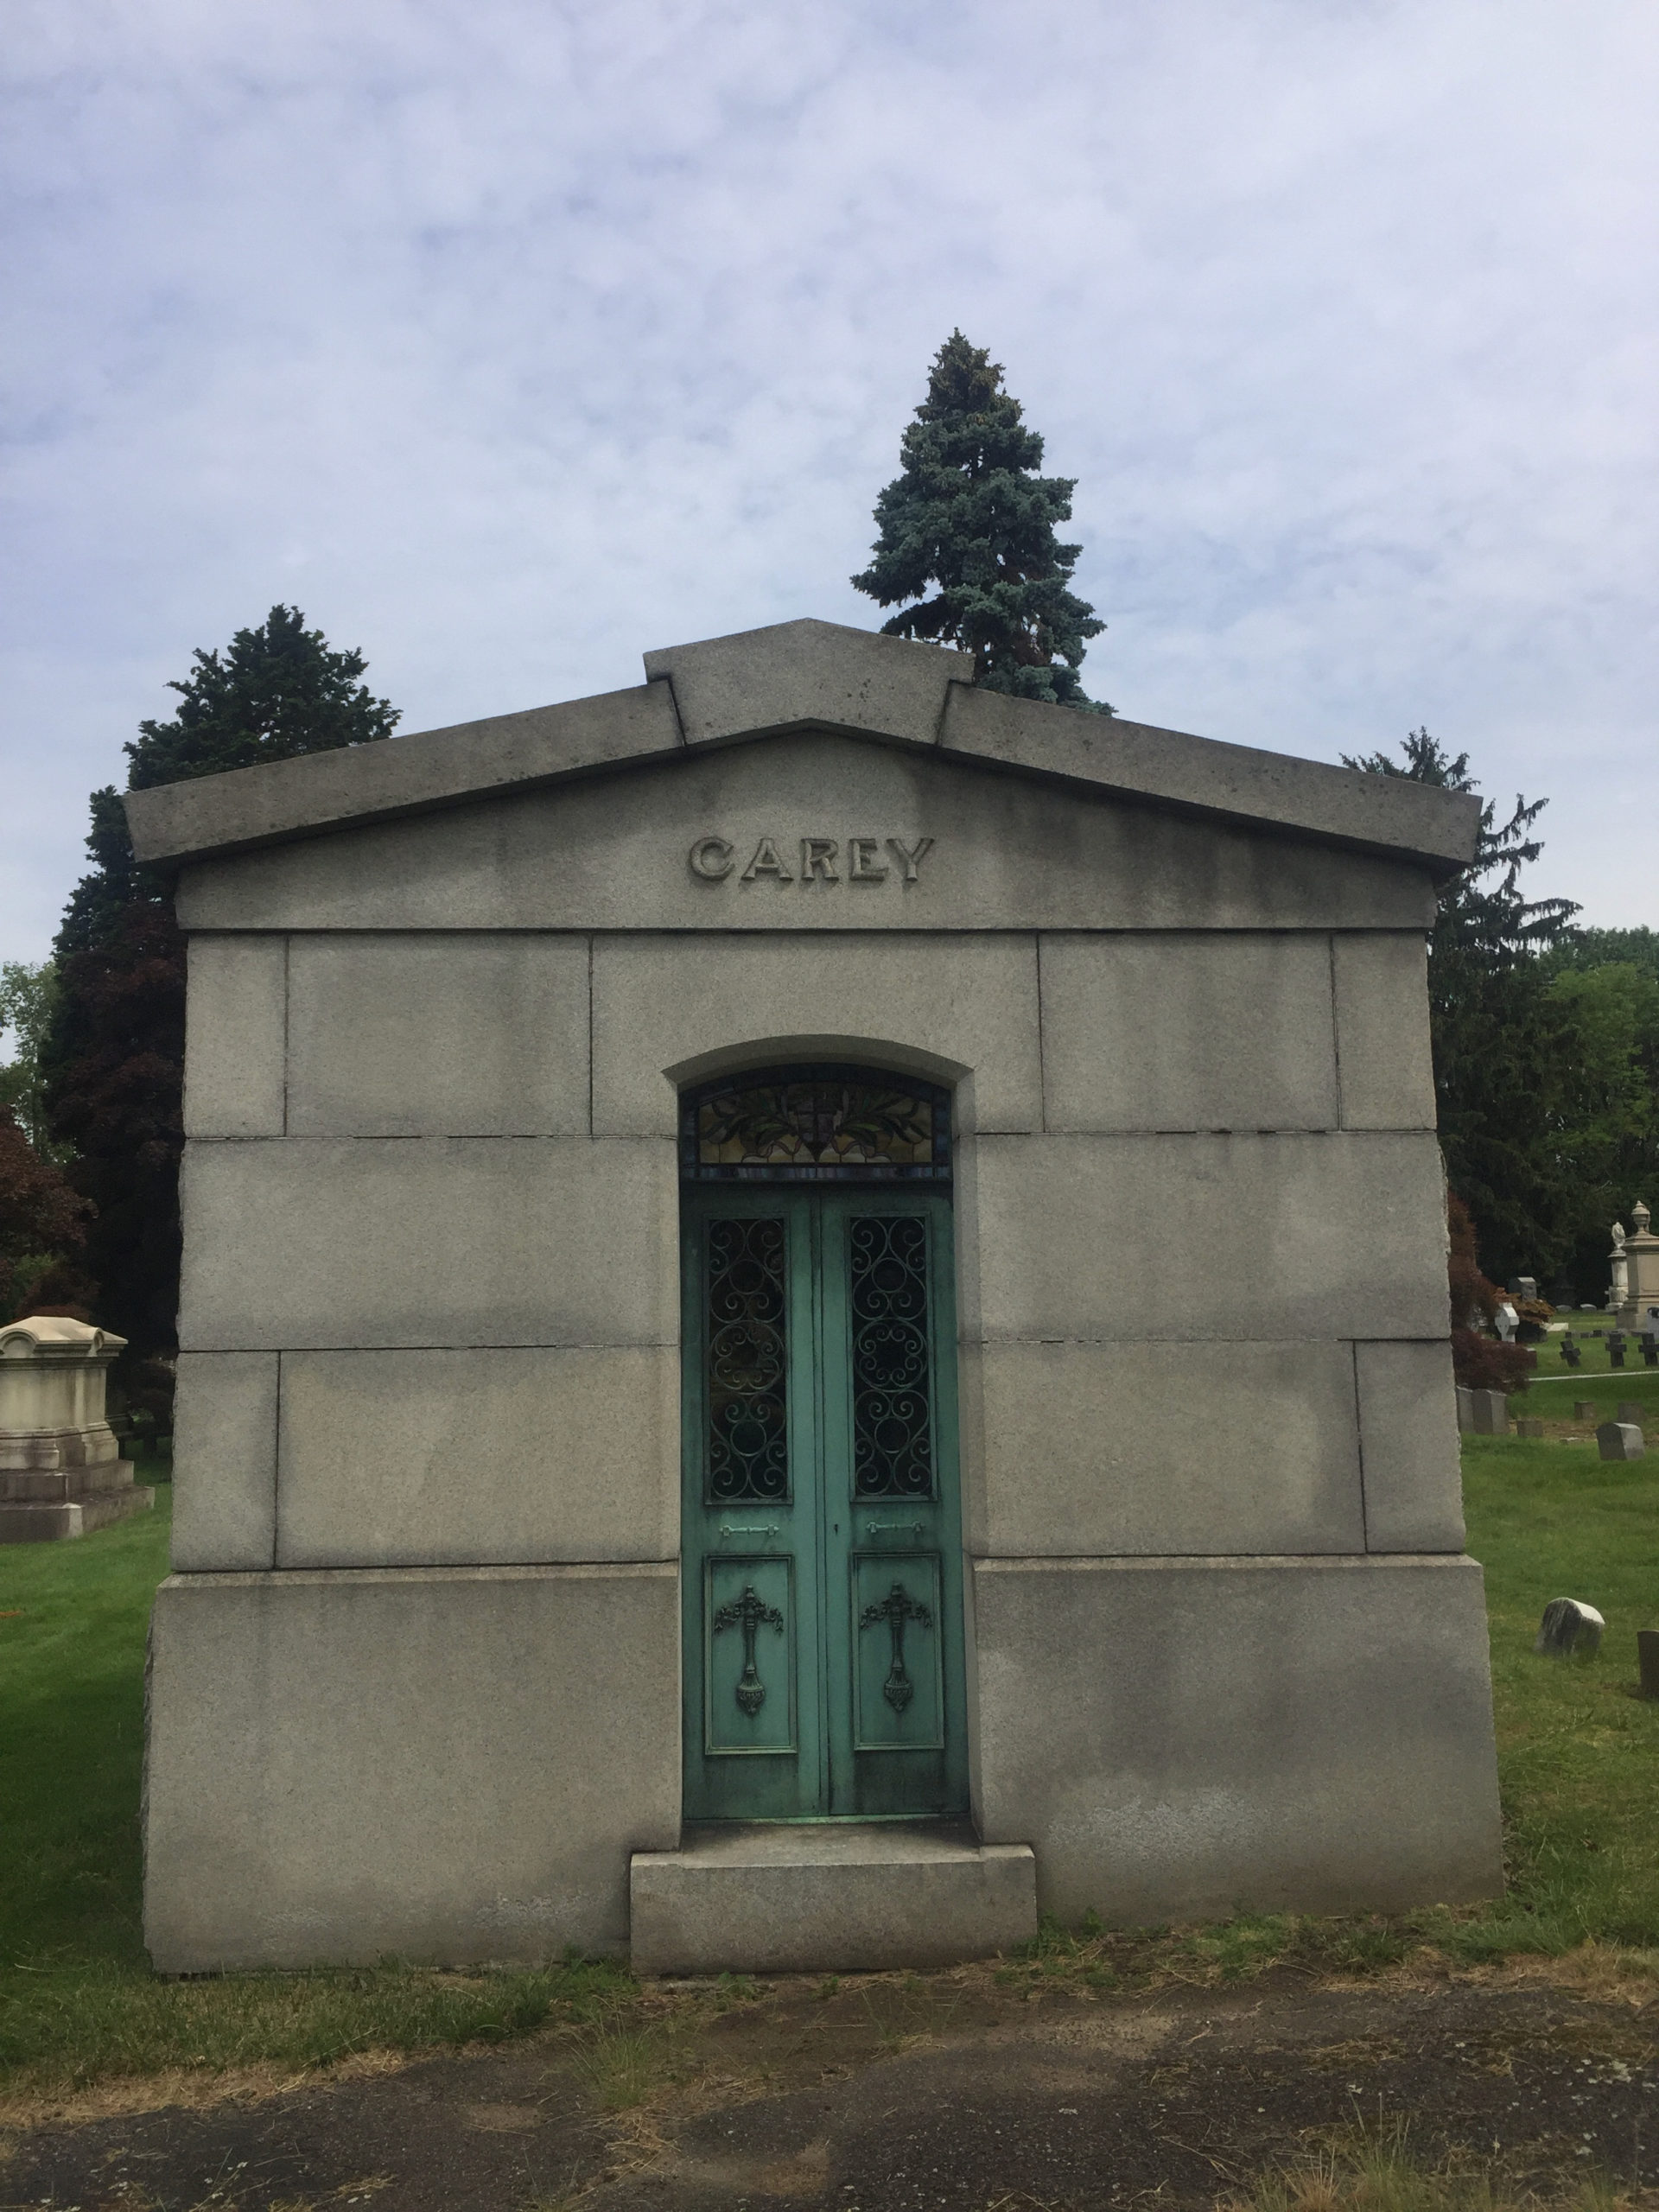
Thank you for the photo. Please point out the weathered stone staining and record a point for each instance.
(448, 996)
(1619, 1439)
(1570, 1630)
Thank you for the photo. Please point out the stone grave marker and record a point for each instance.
(1584, 1409)
(1570, 1630)
(1492, 1411)
(1632, 1410)
(61, 1472)
(1619, 1439)
(1529, 1424)
(1646, 1659)
(1465, 1410)
(1615, 1348)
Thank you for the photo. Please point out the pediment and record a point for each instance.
(794, 679)
(811, 829)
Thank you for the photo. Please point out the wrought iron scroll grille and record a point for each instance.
(816, 1125)
(893, 1424)
(747, 1318)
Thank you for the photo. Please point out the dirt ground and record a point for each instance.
(885, 2093)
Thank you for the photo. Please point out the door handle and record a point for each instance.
(769, 1528)
(894, 1528)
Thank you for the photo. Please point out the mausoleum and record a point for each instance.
(814, 1318)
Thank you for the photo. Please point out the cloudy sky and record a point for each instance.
(509, 339)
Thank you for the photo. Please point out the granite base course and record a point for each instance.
(451, 1766)
(1187, 1738)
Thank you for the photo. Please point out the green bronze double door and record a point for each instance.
(822, 1552)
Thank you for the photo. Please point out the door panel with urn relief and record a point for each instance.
(821, 1556)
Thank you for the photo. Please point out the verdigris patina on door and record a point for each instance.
(823, 1662)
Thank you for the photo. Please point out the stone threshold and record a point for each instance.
(837, 1897)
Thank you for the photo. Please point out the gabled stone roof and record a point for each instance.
(56, 1336)
(800, 676)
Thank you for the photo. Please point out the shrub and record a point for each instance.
(1483, 1363)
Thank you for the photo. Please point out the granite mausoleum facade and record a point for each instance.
(814, 1316)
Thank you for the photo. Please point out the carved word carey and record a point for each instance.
(822, 860)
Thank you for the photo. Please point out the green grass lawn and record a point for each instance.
(1579, 1757)
(77, 1999)
(1578, 1749)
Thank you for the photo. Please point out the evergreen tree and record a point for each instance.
(1496, 1049)
(969, 513)
(113, 1062)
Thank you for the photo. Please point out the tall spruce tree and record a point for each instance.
(1495, 1042)
(968, 513)
(113, 1064)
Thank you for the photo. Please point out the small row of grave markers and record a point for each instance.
(1572, 1353)
(1486, 1413)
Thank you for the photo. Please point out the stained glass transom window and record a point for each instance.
(817, 1125)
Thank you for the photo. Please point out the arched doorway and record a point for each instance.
(821, 1550)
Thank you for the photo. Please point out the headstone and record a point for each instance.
(1615, 1349)
(1465, 1410)
(1587, 1306)
(1525, 1286)
(1572, 1354)
(1646, 1659)
(1631, 1409)
(1529, 1425)
(1619, 1439)
(1506, 1322)
(1584, 1409)
(61, 1472)
(1649, 1348)
(1570, 1630)
(1492, 1411)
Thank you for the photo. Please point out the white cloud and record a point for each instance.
(510, 340)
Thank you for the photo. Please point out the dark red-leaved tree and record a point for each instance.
(1479, 1361)
(42, 1225)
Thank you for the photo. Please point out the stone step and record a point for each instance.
(55, 1485)
(44, 1521)
(828, 1897)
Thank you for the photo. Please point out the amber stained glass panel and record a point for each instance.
(818, 1126)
